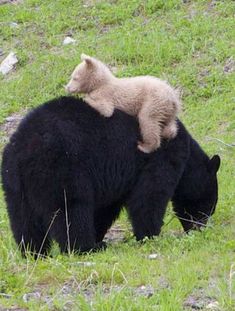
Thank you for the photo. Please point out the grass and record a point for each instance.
(189, 43)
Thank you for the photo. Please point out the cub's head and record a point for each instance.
(196, 198)
(88, 76)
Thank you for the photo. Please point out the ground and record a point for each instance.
(189, 43)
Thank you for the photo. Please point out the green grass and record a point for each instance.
(188, 44)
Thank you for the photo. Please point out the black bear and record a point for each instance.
(67, 172)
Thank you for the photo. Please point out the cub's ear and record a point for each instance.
(214, 164)
(88, 59)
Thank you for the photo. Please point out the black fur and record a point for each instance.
(66, 157)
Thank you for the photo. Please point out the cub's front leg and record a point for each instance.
(104, 107)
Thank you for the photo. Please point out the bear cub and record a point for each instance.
(155, 103)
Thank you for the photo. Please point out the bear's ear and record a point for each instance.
(214, 164)
(88, 59)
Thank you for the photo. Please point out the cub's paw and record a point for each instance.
(107, 112)
(146, 148)
(170, 131)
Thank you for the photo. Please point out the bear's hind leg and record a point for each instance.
(35, 239)
(73, 227)
(28, 229)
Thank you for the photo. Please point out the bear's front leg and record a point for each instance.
(147, 204)
(105, 108)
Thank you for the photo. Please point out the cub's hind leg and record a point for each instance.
(169, 131)
(150, 129)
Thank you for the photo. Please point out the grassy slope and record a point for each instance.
(188, 44)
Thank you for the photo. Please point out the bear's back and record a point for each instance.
(65, 138)
(68, 116)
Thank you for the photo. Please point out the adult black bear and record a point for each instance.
(67, 172)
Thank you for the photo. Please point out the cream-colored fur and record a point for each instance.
(153, 101)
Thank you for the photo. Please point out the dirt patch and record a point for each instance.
(163, 283)
(11, 1)
(12, 309)
(203, 74)
(11, 123)
(146, 291)
(211, 5)
(115, 234)
(229, 66)
(91, 3)
(199, 301)
(66, 295)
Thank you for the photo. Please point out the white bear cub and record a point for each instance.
(154, 102)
